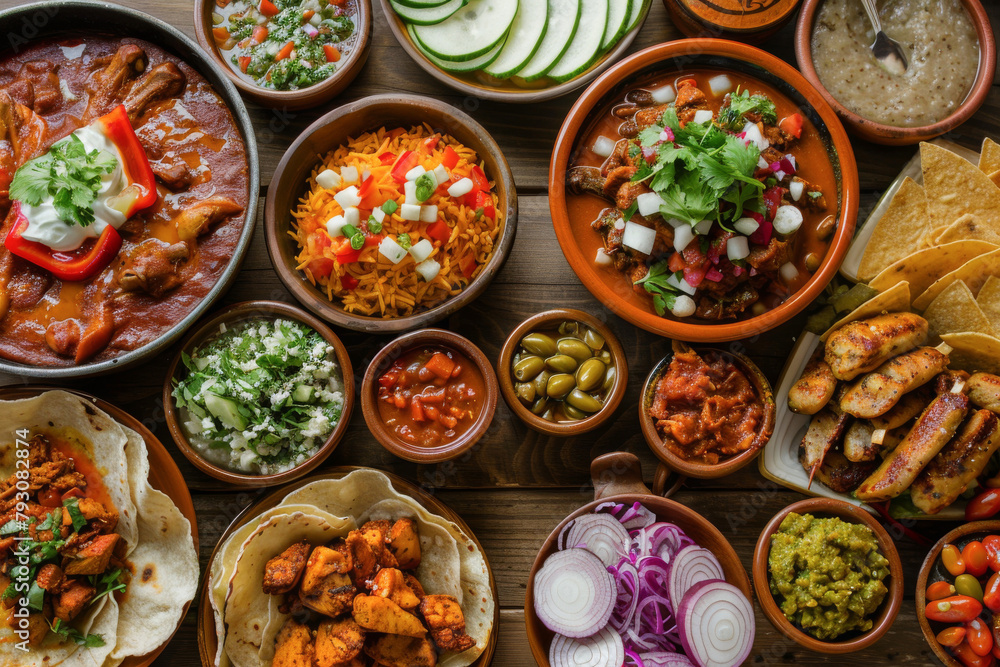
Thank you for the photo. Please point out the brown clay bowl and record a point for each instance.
(551, 319)
(827, 507)
(208, 642)
(696, 468)
(481, 86)
(332, 130)
(931, 570)
(678, 57)
(384, 360)
(617, 478)
(240, 312)
(890, 134)
(348, 67)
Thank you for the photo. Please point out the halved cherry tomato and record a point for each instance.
(983, 506)
(260, 34)
(450, 158)
(952, 560)
(331, 52)
(792, 125)
(979, 637)
(976, 558)
(952, 636)
(285, 51)
(956, 609)
(940, 590)
(268, 8)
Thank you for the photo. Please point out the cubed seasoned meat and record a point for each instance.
(376, 534)
(397, 651)
(50, 578)
(75, 596)
(338, 641)
(404, 543)
(97, 515)
(390, 583)
(93, 557)
(364, 560)
(446, 621)
(293, 646)
(380, 614)
(284, 571)
(325, 587)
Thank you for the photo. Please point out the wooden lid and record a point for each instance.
(734, 16)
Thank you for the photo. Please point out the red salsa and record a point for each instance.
(430, 396)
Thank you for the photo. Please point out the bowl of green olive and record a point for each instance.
(562, 371)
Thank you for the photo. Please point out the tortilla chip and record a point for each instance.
(988, 301)
(973, 273)
(923, 267)
(967, 228)
(897, 232)
(995, 177)
(955, 310)
(973, 351)
(989, 157)
(895, 299)
(955, 187)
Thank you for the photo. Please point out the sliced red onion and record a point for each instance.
(667, 134)
(574, 593)
(604, 649)
(716, 624)
(763, 234)
(310, 30)
(691, 565)
(788, 164)
(601, 534)
(665, 659)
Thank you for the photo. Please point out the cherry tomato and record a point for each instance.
(969, 658)
(956, 609)
(992, 545)
(976, 558)
(991, 594)
(952, 636)
(939, 590)
(983, 506)
(952, 560)
(50, 498)
(979, 637)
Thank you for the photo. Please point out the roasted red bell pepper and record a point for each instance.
(792, 125)
(450, 158)
(387, 158)
(484, 201)
(439, 231)
(118, 128)
(345, 254)
(407, 161)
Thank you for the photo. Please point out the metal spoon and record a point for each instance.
(887, 51)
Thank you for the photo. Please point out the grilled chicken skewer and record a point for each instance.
(984, 390)
(858, 445)
(934, 428)
(825, 430)
(842, 475)
(815, 388)
(960, 462)
(862, 346)
(877, 392)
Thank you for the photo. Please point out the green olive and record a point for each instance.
(590, 375)
(549, 415)
(582, 401)
(609, 379)
(569, 328)
(541, 381)
(559, 385)
(525, 391)
(540, 344)
(574, 347)
(593, 339)
(966, 584)
(538, 407)
(572, 412)
(606, 357)
(562, 363)
(528, 367)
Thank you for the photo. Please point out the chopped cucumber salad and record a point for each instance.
(261, 397)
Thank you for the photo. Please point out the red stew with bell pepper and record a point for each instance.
(430, 396)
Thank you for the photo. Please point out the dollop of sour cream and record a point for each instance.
(45, 225)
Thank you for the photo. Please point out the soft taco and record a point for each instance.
(349, 571)
(96, 565)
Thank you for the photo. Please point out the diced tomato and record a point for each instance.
(321, 267)
(268, 8)
(439, 231)
(75, 492)
(479, 179)
(308, 14)
(689, 82)
(50, 498)
(348, 281)
(407, 161)
(772, 200)
(676, 263)
(468, 266)
(485, 201)
(221, 34)
(417, 410)
(441, 365)
(260, 34)
(792, 125)
(430, 143)
(368, 193)
(694, 275)
(285, 51)
(244, 63)
(387, 158)
(450, 158)
(332, 53)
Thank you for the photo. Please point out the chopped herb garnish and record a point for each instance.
(107, 583)
(72, 505)
(731, 115)
(70, 633)
(655, 282)
(425, 187)
(36, 597)
(374, 226)
(389, 207)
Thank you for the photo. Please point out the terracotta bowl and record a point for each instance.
(291, 100)
(482, 86)
(384, 360)
(237, 313)
(617, 478)
(827, 507)
(332, 130)
(726, 466)
(545, 320)
(683, 56)
(932, 571)
(890, 134)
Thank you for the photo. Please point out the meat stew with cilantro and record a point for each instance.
(709, 192)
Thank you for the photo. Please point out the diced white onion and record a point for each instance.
(737, 247)
(273, 47)
(746, 226)
(681, 284)
(349, 174)
(684, 306)
(639, 238)
(410, 212)
(649, 203)
(787, 219)
(328, 179)
(430, 174)
(316, 19)
(619, 224)
(789, 272)
(720, 85)
(604, 146)
(461, 187)
(682, 237)
(796, 188)
(441, 174)
(378, 214)
(702, 116)
(364, 175)
(675, 223)
(703, 227)
(68, 94)
(663, 94)
(752, 134)
(410, 193)
(603, 258)
(421, 250)
(334, 226)
(415, 173)
(347, 197)
(428, 269)
(391, 250)
(352, 216)
(428, 213)
(762, 163)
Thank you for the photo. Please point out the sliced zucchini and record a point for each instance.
(636, 10)
(472, 31)
(563, 19)
(458, 66)
(618, 16)
(422, 3)
(426, 15)
(586, 45)
(525, 35)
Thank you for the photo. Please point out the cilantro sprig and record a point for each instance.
(731, 115)
(69, 174)
(72, 634)
(655, 282)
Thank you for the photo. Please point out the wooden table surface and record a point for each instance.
(516, 485)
